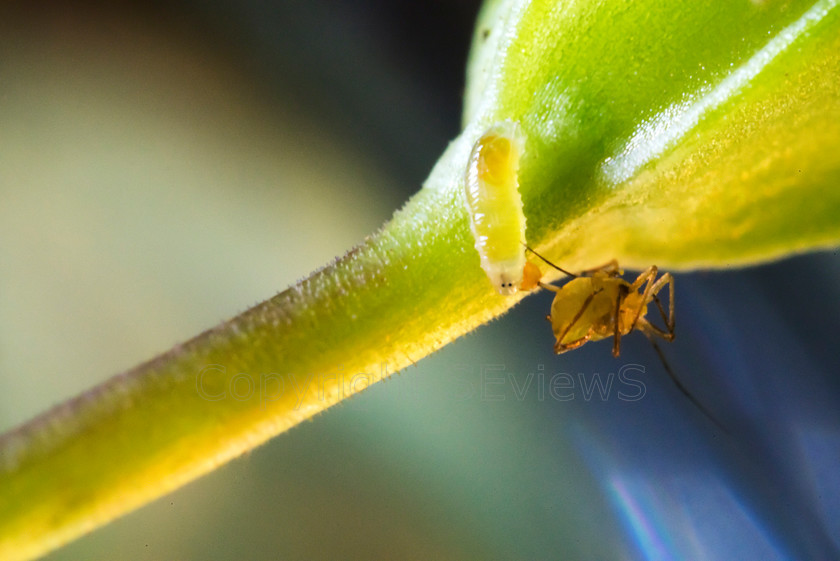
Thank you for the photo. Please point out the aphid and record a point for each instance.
(495, 206)
(598, 304)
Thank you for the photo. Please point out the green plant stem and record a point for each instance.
(170, 420)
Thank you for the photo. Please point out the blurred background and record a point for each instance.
(164, 166)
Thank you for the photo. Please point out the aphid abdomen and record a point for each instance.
(495, 206)
(583, 310)
(567, 311)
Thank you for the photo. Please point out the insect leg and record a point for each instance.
(646, 326)
(617, 333)
(643, 279)
(668, 279)
(610, 267)
(558, 348)
(677, 382)
(550, 287)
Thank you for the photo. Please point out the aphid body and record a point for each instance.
(495, 206)
(600, 304)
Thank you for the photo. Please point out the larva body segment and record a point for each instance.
(495, 205)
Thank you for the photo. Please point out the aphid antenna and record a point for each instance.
(682, 388)
(564, 271)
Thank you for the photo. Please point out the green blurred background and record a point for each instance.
(165, 166)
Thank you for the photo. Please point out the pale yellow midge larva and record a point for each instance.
(494, 204)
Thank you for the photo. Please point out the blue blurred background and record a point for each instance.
(163, 166)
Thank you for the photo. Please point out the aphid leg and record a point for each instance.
(643, 279)
(650, 295)
(617, 333)
(550, 287)
(559, 347)
(643, 327)
(667, 335)
(667, 278)
(610, 267)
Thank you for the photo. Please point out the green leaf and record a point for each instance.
(699, 134)
(685, 135)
